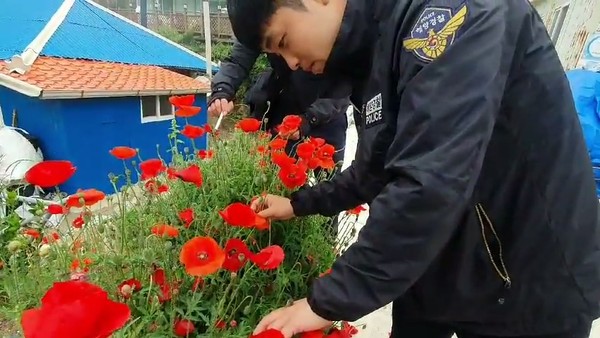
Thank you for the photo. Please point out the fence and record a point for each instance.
(220, 27)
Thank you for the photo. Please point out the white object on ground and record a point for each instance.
(17, 155)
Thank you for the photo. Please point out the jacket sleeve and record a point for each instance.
(348, 189)
(445, 116)
(322, 111)
(233, 71)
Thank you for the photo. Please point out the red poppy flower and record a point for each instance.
(325, 155)
(153, 188)
(83, 309)
(192, 132)
(356, 210)
(290, 125)
(239, 215)
(269, 258)
(191, 174)
(292, 121)
(128, 287)
(32, 232)
(293, 176)
(237, 254)
(317, 141)
(262, 223)
(48, 174)
(78, 222)
(182, 101)
(76, 265)
(207, 128)
(306, 150)
(51, 238)
(205, 154)
(56, 209)
(221, 324)
(281, 159)
(249, 125)
(201, 256)
(187, 217)
(183, 327)
(163, 230)
(123, 153)
(166, 289)
(270, 333)
(278, 144)
(86, 197)
(347, 331)
(151, 168)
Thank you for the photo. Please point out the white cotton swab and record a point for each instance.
(219, 121)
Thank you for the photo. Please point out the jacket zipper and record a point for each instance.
(500, 267)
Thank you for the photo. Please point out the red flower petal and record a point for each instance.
(183, 328)
(239, 214)
(269, 258)
(48, 174)
(123, 153)
(191, 174)
(237, 254)
(192, 132)
(182, 101)
(249, 125)
(270, 333)
(201, 256)
(151, 168)
(86, 307)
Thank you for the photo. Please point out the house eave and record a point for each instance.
(20, 86)
(90, 94)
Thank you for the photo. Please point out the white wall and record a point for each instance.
(583, 18)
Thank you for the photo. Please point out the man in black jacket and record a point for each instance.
(284, 92)
(483, 216)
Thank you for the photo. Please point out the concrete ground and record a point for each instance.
(378, 323)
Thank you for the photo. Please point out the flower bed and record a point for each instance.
(188, 257)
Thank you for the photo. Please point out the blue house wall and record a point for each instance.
(83, 131)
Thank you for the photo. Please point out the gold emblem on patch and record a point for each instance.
(434, 31)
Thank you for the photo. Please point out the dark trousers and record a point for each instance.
(417, 329)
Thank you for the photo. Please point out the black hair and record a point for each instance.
(249, 18)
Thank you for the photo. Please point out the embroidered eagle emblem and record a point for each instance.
(428, 41)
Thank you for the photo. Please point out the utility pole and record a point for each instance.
(144, 13)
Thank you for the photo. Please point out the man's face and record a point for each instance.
(305, 38)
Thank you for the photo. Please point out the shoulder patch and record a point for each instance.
(434, 31)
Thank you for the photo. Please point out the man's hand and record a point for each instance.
(220, 106)
(273, 207)
(293, 320)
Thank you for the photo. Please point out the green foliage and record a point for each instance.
(120, 246)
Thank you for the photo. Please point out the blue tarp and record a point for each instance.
(585, 86)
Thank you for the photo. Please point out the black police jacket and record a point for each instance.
(292, 92)
(483, 212)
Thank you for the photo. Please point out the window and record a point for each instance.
(156, 108)
(557, 21)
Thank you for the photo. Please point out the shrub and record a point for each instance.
(182, 248)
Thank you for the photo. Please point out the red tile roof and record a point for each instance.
(57, 77)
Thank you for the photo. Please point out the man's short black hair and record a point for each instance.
(249, 18)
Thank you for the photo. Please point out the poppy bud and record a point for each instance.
(14, 246)
(44, 250)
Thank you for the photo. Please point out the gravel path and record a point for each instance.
(378, 323)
